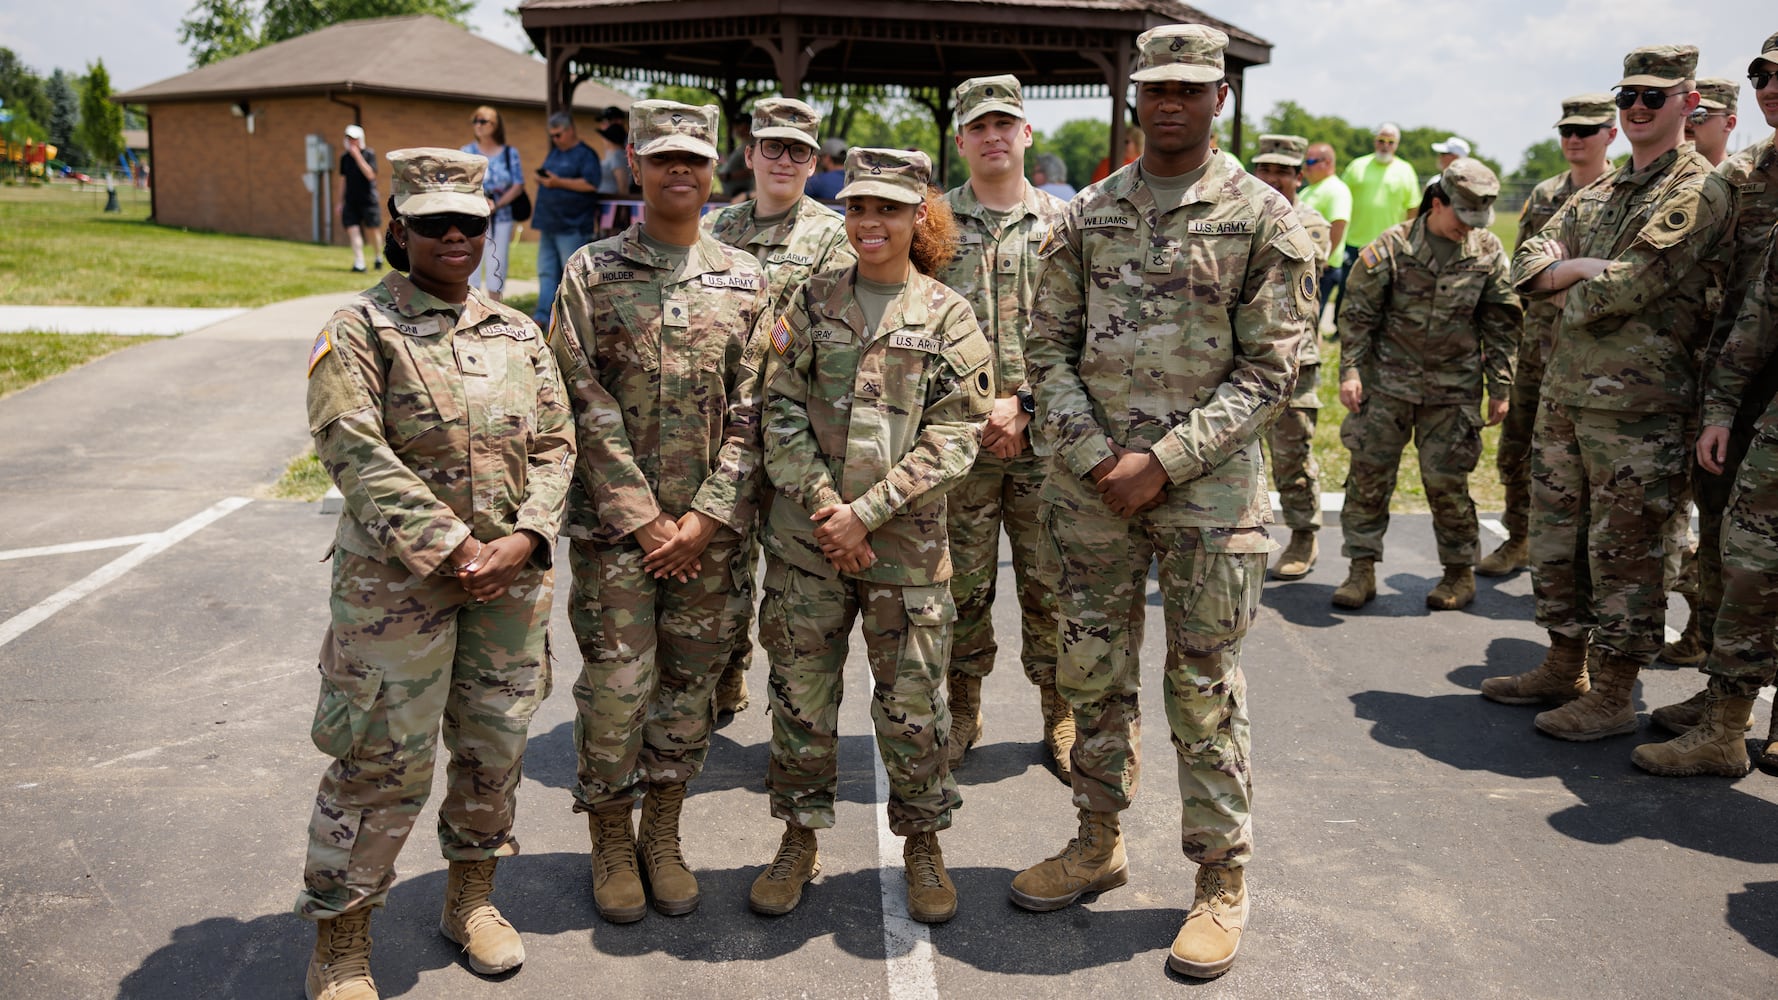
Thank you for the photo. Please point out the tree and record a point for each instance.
(64, 117)
(22, 90)
(219, 29)
(100, 131)
(1540, 160)
(1081, 143)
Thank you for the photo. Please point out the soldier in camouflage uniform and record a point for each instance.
(1709, 125)
(442, 581)
(794, 236)
(1585, 132)
(1753, 173)
(878, 383)
(1429, 317)
(1630, 259)
(651, 329)
(1002, 220)
(1291, 442)
(1168, 322)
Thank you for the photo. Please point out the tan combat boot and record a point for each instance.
(779, 888)
(617, 889)
(1360, 585)
(674, 887)
(1768, 757)
(1058, 730)
(932, 899)
(1455, 591)
(1716, 745)
(339, 969)
(966, 715)
(1093, 861)
(1513, 555)
(1689, 649)
(731, 691)
(1561, 677)
(1298, 557)
(1211, 935)
(1605, 710)
(1681, 716)
(471, 920)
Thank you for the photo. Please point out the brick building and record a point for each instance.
(230, 141)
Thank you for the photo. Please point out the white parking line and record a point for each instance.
(35, 615)
(907, 947)
(89, 546)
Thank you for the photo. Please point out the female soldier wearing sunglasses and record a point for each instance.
(439, 414)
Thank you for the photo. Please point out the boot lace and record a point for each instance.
(790, 856)
(474, 907)
(664, 802)
(349, 951)
(615, 851)
(922, 867)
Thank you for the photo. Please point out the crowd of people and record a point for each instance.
(870, 398)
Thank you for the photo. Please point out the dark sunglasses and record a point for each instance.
(1701, 115)
(434, 227)
(1652, 97)
(771, 149)
(1578, 131)
(481, 121)
(1759, 78)
(1311, 161)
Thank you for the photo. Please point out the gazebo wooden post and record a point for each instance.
(1237, 83)
(1117, 79)
(559, 92)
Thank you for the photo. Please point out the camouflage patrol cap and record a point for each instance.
(1718, 94)
(1660, 66)
(1587, 109)
(1472, 188)
(786, 118)
(664, 126)
(1189, 52)
(1768, 52)
(431, 180)
(1283, 150)
(895, 174)
(979, 95)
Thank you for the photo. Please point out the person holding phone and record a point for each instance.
(567, 213)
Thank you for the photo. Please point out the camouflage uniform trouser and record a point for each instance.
(1744, 645)
(740, 654)
(1449, 439)
(1291, 442)
(805, 622)
(401, 655)
(1512, 456)
(1000, 491)
(1712, 494)
(1210, 580)
(1604, 486)
(653, 652)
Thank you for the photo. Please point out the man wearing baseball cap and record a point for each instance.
(355, 201)
(1740, 386)
(1001, 220)
(1584, 132)
(651, 329)
(1451, 150)
(1164, 465)
(1629, 267)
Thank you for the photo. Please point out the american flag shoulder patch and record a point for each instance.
(323, 344)
(781, 335)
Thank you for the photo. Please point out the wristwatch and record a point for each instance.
(1027, 402)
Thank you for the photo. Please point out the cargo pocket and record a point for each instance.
(1225, 588)
(1466, 450)
(343, 710)
(774, 618)
(926, 645)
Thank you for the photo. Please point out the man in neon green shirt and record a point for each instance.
(1327, 194)
(1385, 191)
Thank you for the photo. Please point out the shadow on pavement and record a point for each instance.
(1754, 913)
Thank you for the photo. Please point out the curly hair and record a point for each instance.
(935, 240)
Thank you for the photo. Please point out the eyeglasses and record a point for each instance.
(1386, 141)
(434, 227)
(1759, 78)
(481, 121)
(1311, 161)
(1701, 115)
(772, 149)
(1578, 131)
(1652, 97)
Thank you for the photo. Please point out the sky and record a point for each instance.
(1496, 78)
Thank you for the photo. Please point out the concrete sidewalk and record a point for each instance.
(110, 319)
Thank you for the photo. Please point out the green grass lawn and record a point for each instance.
(61, 248)
(304, 479)
(30, 357)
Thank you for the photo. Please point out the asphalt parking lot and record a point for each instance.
(1414, 840)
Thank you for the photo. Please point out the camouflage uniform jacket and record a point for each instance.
(1752, 344)
(1176, 334)
(1628, 338)
(1321, 234)
(884, 420)
(1541, 314)
(667, 410)
(811, 240)
(438, 422)
(1753, 174)
(996, 272)
(1427, 332)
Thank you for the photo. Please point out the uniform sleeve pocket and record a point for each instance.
(343, 710)
(929, 607)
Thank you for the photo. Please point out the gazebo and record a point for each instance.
(741, 49)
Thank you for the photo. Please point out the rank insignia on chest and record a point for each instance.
(781, 336)
(323, 344)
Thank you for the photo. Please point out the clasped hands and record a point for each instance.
(485, 570)
(1130, 482)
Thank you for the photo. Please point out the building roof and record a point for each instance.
(356, 56)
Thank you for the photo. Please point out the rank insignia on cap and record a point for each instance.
(323, 344)
(781, 336)
(988, 92)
